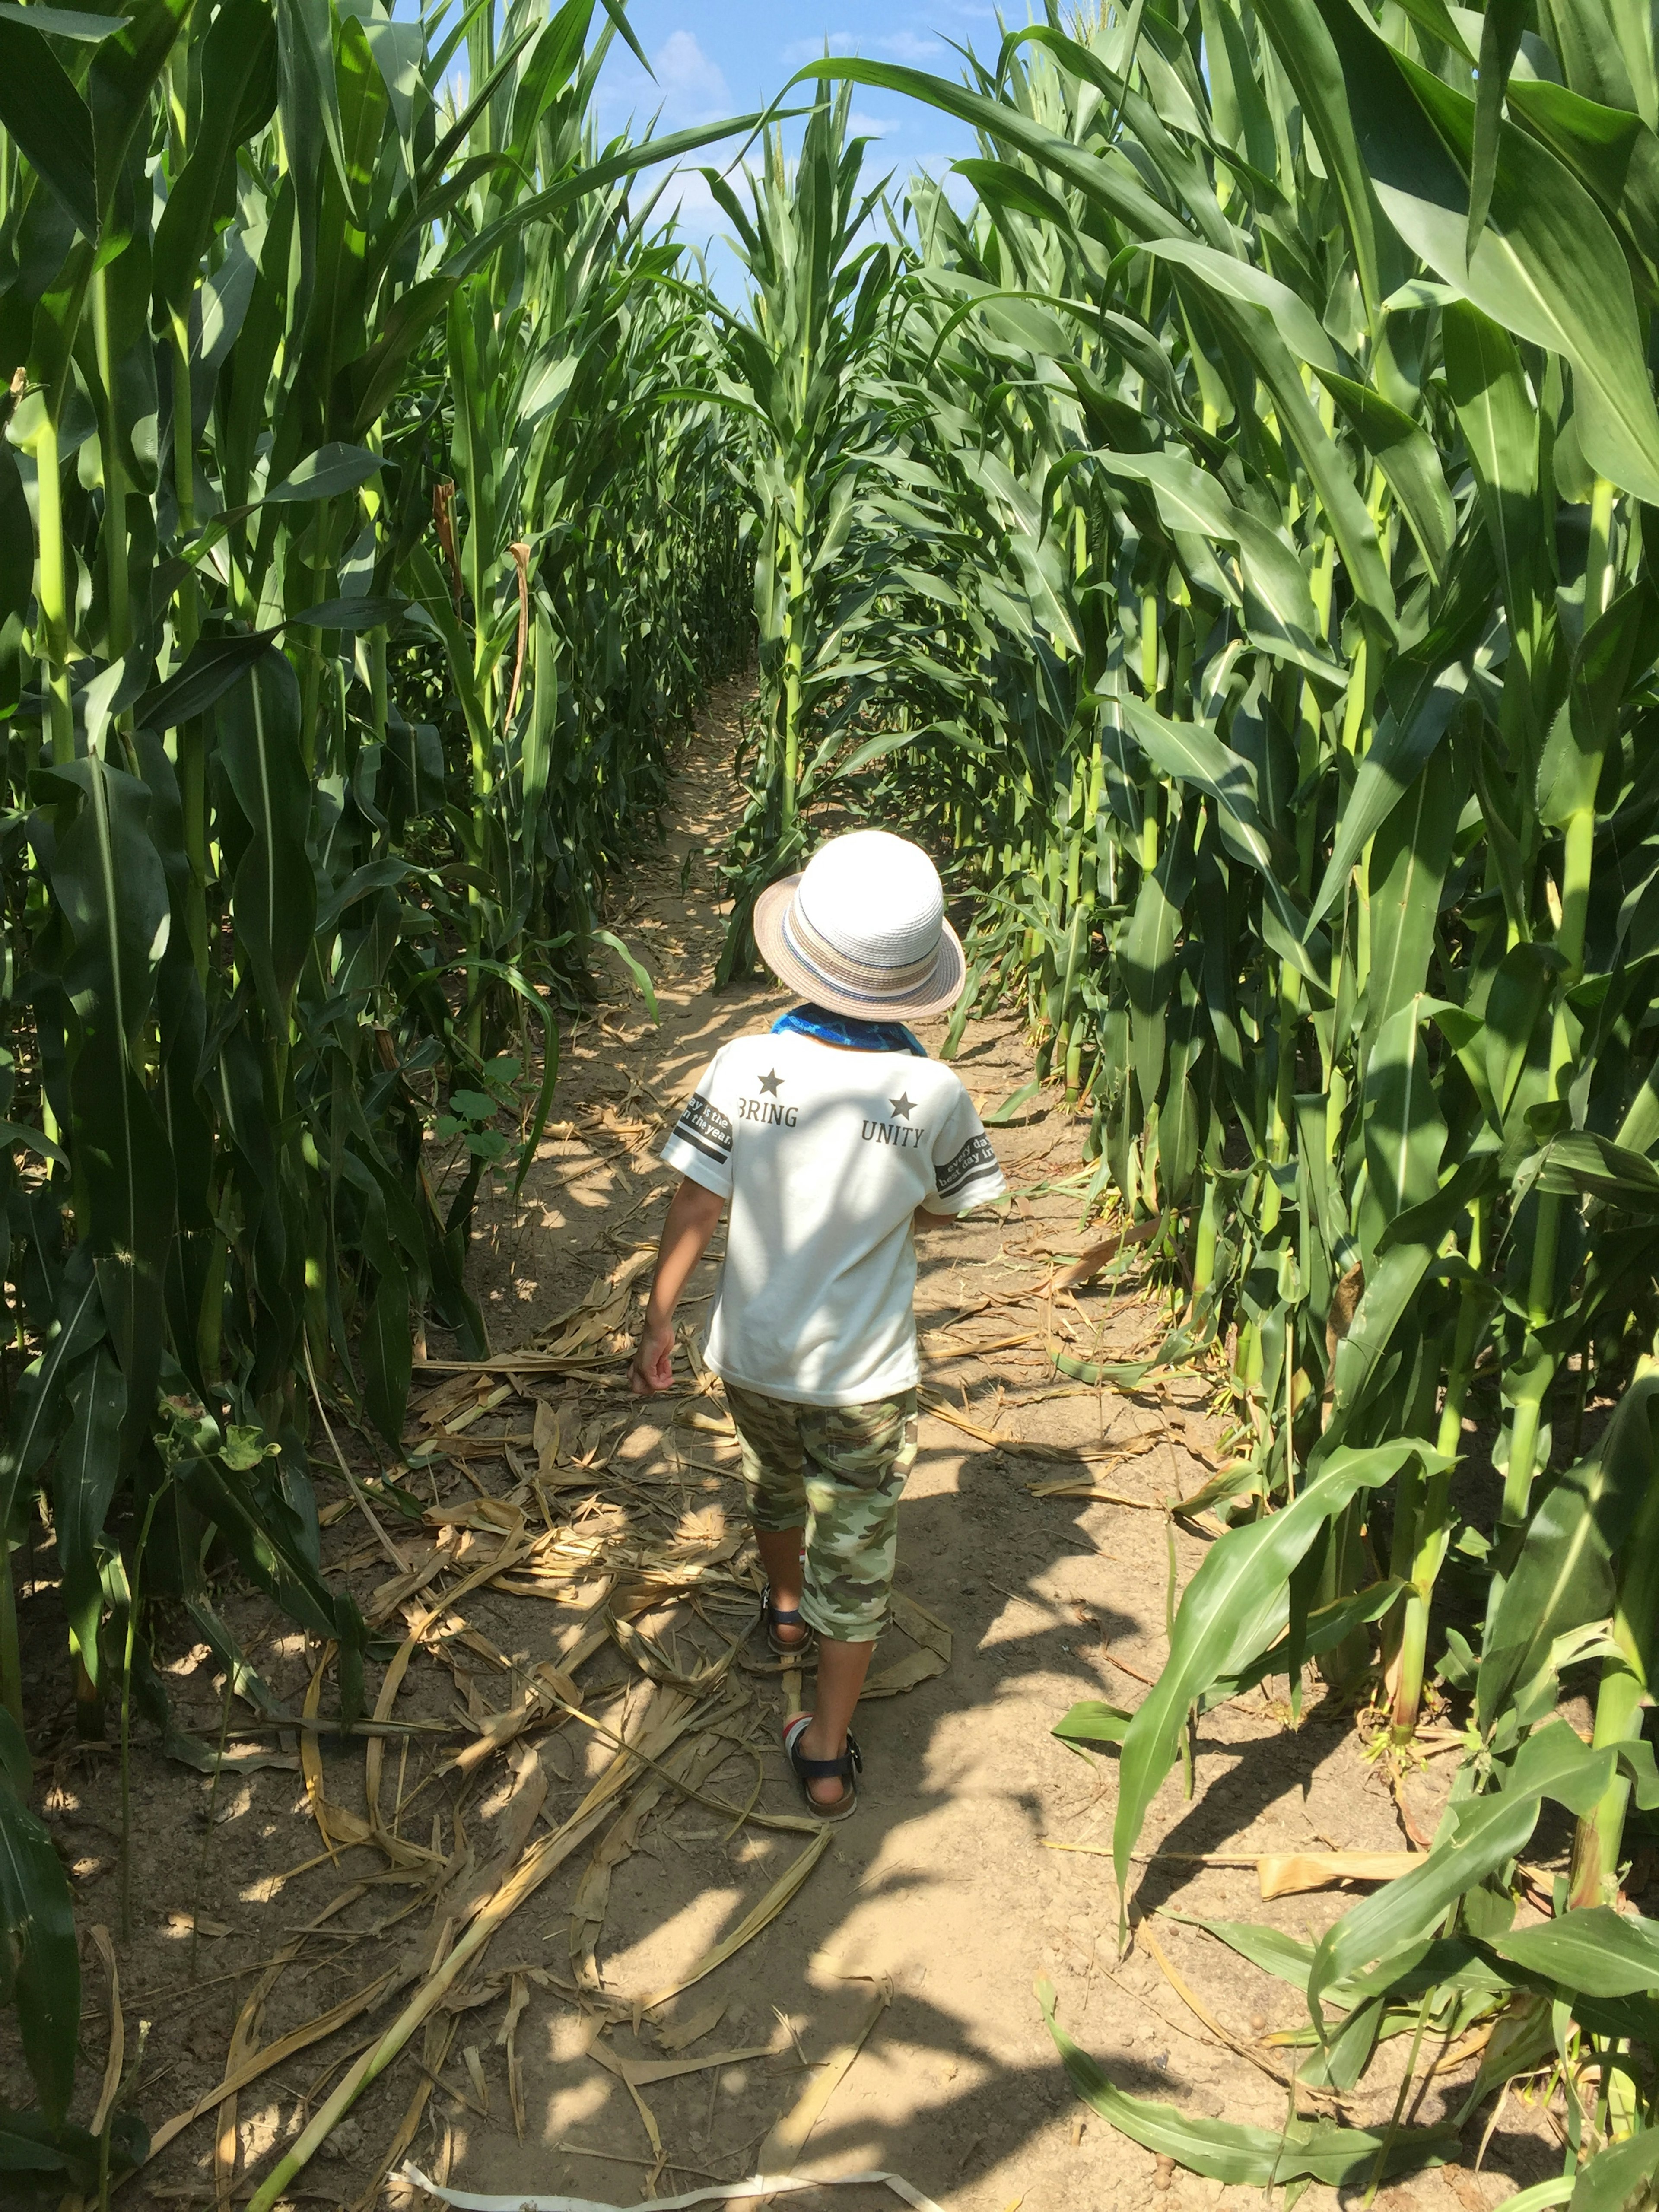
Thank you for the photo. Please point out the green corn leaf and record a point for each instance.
(1603, 1952)
(61, 22)
(1404, 1130)
(1260, 2158)
(1564, 1577)
(1583, 1164)
(385, 1346)
(1238, 280)
(1405, 454)
(121, 84)
(1325, 1627)
(1618, 2175)
(1000, 185)
(638, 974)
(1613, 658)
(47, 115)
(1516, 1006)
(1501, 27)
(211, 668)
(1092, 1721)
(1499, 423)
(1409, 855)
(1612, 152)
(37, 1919)
(1544, 254)
(1270, 1948)
(326, 474)
(1230, 1613)
(351, 616)
(239, 92)
(1487, 1833)
(1311, 60)
(274, 900)
(35, 1140)
(1427, 697)
(41, 1402)
(84, 1476)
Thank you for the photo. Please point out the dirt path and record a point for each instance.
(945, 1888)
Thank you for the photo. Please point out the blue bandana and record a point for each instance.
(847, 1030)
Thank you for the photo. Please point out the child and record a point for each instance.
(829, 1137)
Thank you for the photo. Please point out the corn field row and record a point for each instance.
(1228, 540)
(1215, 520)
(365, 533)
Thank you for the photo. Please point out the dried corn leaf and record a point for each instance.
(1091, 1263)
(541, 1860)
(681, 2033)
(115, 2057)
(1284, 1874)
(906, 1673)
(1079, 1485)
(922, 1626)
(448, 1397)
(474, 2065)
(548, 1438)
(641, 2072)
(274, 2054)
(689, 1763)
(518, 1999)
(464, 1420)
(693, 1417)
(487, 1514)
(780, 2148)
(764, 1913)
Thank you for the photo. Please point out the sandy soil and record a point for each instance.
(959, 1880)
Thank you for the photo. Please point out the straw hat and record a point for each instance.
(862, 930)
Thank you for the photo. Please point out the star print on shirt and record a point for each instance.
(902, 1105)
(769, 1083)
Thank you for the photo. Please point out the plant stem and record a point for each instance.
(128, 1648)
(1433, 1520)
(52, 591)
(1536, 1371)
(11, 1667)
(186, 628)
(1621, 1697)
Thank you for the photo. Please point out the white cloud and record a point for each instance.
(689, 79)
(894, 46)
(918, 48)
(859, 125)
(688, 88)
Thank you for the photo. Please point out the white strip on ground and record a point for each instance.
(762, 2184)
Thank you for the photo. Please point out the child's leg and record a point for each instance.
(768, 1431)
(857, 1460)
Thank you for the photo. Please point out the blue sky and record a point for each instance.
(730, 56)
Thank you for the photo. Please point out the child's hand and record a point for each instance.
(652, 1368)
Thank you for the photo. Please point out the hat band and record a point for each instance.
(856, 978)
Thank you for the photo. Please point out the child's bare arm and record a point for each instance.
(692, 1215)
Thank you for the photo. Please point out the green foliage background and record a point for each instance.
(1221, 532)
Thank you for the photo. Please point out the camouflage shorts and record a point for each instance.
(837, 1471)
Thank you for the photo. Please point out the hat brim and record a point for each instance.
(935, 993)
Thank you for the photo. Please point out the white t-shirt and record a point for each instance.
(824, 1154)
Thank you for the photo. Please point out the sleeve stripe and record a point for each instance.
(986, 1186)
(683, 1136)
(974, 1161)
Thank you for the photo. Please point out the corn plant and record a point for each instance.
(331, 678)
(795, 372)
(1296, 363)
